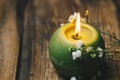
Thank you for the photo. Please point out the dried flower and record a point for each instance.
(86, 13)
(72, 18)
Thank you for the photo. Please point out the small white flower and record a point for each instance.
(76, 54)
(75, 14)
(99, 49)
(79, 44)
(100, 55)
(100, 52)
(72, 17)
(73, 78)
(62, 24)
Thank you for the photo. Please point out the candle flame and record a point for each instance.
(78, 25)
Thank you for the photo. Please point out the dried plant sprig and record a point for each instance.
(86, 15)
(109, 35)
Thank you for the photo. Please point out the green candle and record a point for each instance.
(67, 36)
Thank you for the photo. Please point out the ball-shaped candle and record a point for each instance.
(68, 36)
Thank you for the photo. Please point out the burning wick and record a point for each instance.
(77, 35)
(77, 28)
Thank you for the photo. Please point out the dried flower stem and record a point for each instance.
(108, 35)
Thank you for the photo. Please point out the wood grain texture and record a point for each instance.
(8, 40)
(43, 17)
(40, 58)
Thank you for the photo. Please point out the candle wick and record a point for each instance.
(77, 35)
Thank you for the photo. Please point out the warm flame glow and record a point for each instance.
(78, 25)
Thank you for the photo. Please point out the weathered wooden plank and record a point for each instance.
(8, 40)
(24, 59)
(41, 68)
(46, 17)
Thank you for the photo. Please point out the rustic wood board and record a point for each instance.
(8, 40)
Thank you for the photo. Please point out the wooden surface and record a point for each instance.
(26, 27)
(8, 40)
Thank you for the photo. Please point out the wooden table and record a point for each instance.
(26, 27)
